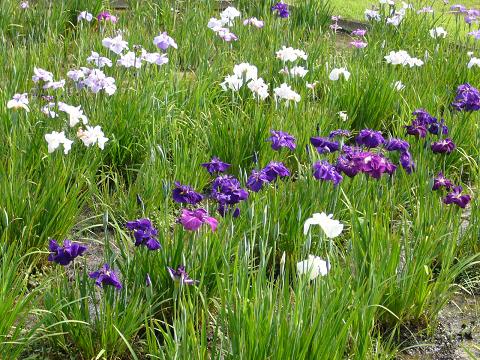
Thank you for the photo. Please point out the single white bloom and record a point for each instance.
(19, 101)
(290, 54)
(286, 93)
(312, 86)
(228, 15)
(215, 24)
(395, 20)
(299, 71)
(85, 15)
(231, 82)
(398, 85)
(245, 71)
(75, 75)
(282, 263)
(115, 44)
(372, 15)
(92, 135)
(388, 2)
(55, 139)
(343, 115)
(438, 32)
(154, 58)
(335, 74)
(74, 112)
(313, 267)
(130, 60)
(332, 228)
(47, 110)
(99, 61)
(254, 21)
(473, 61)
(259, 88)
(40, 74)
(401, 57)
(470, 53)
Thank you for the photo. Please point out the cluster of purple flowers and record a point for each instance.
(227, 191)
(268, 174)
(470, 15)
(281, 139)
(467, 99)
(281, 9)
(423, 123)
(355, 160)
(185, 194)
(455, 195)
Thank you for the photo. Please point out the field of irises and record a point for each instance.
(244, 180)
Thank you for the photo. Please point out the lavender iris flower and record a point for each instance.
(441, 181)
(275, 169)
(65, 254)
(184, 194)
(257, 179)
(467, 99)
(445, 146)
(369, 138)
(144, 233)
(216, 165)
(323, 170)
(106, 16)
(281, 9)
(324, 145)
(106, 276)
(456, 197)
(281, 139)
(181, 276)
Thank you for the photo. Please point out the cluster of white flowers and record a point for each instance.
(227, 17)
(246, 73)
(289, 54)
(401, 57)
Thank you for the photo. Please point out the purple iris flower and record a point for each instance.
(281, 9)
(181, 276)
(417, 128)
(65, 254)
(216, 165)
(226, 189)
(397, 145)
(106, 16)
(193, 219)
(456, 197)
(324, 145)
(338, 132)
(256, 180)
(467, 99)
(445, 146)
(106, 276)
(144, 233)
(475, 34)
(369, 138)
(148, 281)
(438, 127)
(185, 194)
(275, 169)
(323, 170)
(347, 165)
(359, 32)
(424, 116)
(376, 165)
(407, 162)
(458, 8)
(281, 139)
(441, 181)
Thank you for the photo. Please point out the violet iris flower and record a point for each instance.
(106, 276)
(281, 139)
(376, 165)
(144, 233)
(369, 138)
(417, 129)
(467, 99)
(275, 169)
(407, 162)
(106, 16)
(281, 9)
(226, 190)
(324, 145)
(445, 146)
(181, 276)
(193, 219)
(65, 254)
(441, 181)
(396, 145)
(185, 194)
(323, 170)
(257, 179)
(216, 165)
(456, 197)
